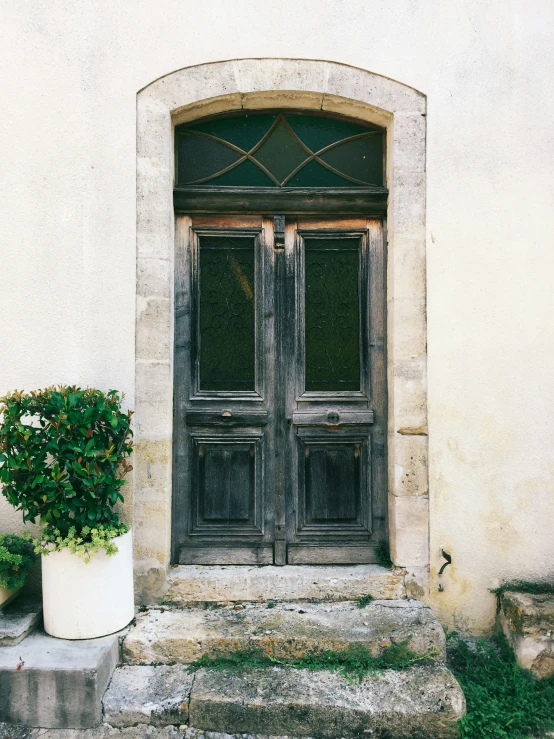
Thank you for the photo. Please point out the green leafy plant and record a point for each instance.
(84, 545)
(63, 451)
(383, 555)
(353, 663)
(16, 556)
(364, 600)
(503, 701)
(525, 586)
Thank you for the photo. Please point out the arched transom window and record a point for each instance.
(279, 150)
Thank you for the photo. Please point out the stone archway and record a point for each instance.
(220, 87)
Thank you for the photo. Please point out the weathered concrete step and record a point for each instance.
(244, 584)
(527, 620)
(155, 695)
(166, 636)
(19, 619)
(54, 683)
(421, 702)
(141, 731)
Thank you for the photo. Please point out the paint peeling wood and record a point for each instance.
(293, 200)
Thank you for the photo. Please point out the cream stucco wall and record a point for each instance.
(71, 71)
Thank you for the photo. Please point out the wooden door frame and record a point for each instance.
(217, 88)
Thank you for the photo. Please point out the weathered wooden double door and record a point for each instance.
(280, 390)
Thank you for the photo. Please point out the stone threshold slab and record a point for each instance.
(245, 584)
(284, 630)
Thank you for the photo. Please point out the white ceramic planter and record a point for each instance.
(84, 600)
(7, 595)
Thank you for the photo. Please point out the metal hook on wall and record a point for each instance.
(448, 559)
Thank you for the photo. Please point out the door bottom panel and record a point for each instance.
(253, 554)
(302, 554)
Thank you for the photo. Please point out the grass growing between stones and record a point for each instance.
(364, 600)
(383, 556)
(525, 586)
(354, 663)
(503, 701)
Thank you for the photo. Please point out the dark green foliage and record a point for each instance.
(271, 604)
(353, 663)
(62, 451)
(16, 556)
(364, 600)
(503, 701)
(525, 586)
(383, 556)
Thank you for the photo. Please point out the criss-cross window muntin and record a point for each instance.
(279, 150)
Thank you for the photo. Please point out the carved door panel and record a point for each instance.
(224, 362)
(336, 394)
(279, 446)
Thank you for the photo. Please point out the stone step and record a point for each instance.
(54, 683)
(245, 584)
(527, 620)
(19, 619)
(158, 696)
(170, 635)
(420, 702)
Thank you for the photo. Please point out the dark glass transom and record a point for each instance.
(279, 150)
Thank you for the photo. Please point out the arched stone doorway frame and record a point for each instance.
(255, 84)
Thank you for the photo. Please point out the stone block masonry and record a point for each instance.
(527, 620)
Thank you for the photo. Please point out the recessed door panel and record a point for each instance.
(332, 314)
(226, 312)
(226, 485)
(333, 473)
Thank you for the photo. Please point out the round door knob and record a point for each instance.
(333, 417)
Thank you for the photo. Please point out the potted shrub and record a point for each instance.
(63, 452)
(16, 556)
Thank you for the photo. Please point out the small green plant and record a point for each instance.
(88, 542)
(383, 556)
(16, 556)
(63, 451)
(354, 663)
(503, 701)
(525, 586)
(271, 604)
(364, 600)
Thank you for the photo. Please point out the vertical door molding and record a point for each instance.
(220, 87)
